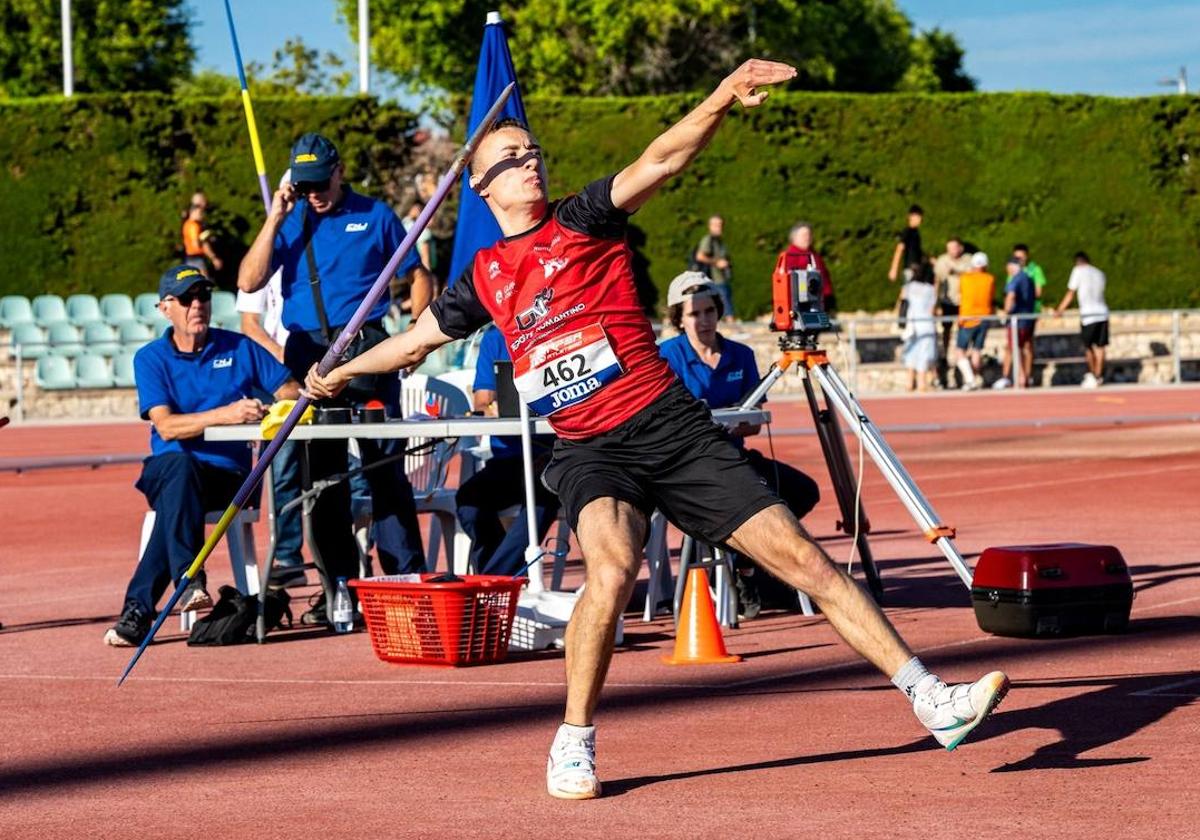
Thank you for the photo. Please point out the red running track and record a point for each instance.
(311, 736)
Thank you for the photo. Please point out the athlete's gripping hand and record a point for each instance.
(319, 387)
(744, 83)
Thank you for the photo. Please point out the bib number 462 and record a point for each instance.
(565, 371)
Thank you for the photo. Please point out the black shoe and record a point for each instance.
(317, 616)
(131, 628)
(287, 577)
(749, 604)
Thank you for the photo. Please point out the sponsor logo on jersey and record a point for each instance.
(223, 363)
(552, 265)
(538, 310)
(493, 269)
(355, 227)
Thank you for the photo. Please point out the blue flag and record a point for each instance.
(476, 226)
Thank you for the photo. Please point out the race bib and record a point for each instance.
(566, 370)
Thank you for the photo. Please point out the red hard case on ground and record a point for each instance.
(1050, 590)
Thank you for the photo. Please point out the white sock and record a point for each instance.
(968, 374)
(914, 679)
(568, 730)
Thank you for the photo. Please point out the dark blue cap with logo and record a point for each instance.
(313, 158)
(176, 280)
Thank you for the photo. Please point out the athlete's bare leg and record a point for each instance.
(611, 534)
(774, 539)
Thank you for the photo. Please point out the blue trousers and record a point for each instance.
(500, 485)
(181, 489)
(289, 527)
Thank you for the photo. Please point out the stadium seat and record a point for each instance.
(91, 371)
(123, 369)
(133, 332)
(146, 307)
(32, 339)
(117, 309)
(49, 309)
(53, 373)
(224, 305)
(15, 309)
(64, 339)
(101, 338)
(83, 310)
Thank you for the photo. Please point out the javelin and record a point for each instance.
(249, 109)
(330, 360)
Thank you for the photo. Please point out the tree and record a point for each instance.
(295, 70)
(600, 47)
(119, 45)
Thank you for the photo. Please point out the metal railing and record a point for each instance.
(851, 328)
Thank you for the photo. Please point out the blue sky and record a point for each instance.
(1111, 47)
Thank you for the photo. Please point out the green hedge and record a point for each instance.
(92, 188)
(91, 191)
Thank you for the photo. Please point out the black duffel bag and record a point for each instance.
(232, 619)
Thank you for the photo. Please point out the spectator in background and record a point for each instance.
(1088, 282)
(723, 372)
(1019, 298)
(262, 321)
(947, 269)
(197, 239)
(800, 254)
(908, 252)
(920, 332)
(190, 378)
(977, 300)
(425, 241)
(501, 482)
(1021, 252)
(712, 259)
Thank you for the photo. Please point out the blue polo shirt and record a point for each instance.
(735, 375)
(491, 350)
(228, 367)
(1021, 284)
(351, 243)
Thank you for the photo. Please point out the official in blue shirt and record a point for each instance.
(1020, 298)
(501, 482)
(319, 221)
(723, 373)
(191, 378)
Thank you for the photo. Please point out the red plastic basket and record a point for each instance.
(466, 622)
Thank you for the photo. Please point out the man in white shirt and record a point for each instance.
(1087, 282)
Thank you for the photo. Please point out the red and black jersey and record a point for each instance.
(568, 279)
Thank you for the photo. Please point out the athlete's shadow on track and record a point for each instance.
(1120, 707)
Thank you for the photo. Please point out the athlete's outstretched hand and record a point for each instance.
(319, 387)
(744, 82)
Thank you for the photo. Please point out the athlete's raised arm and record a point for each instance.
(674, 149)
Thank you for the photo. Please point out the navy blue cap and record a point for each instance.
(176, 280)
(313, 158)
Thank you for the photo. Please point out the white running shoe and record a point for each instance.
(950, 712)
(1089, 381)
(1001, 383)
(571, 768)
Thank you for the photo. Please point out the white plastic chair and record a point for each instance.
(239, 539)
(427, 470)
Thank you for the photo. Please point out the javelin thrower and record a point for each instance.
(631, 438)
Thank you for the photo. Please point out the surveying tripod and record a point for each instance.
(799, 347)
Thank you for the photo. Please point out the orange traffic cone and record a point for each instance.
(698, 638)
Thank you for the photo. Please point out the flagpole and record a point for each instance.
(364, 39)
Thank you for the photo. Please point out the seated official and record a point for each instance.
(501, 482)
(191, 378)
(723, 373)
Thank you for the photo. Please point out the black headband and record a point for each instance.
(504, 165)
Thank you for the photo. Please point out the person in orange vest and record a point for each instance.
(197, 238)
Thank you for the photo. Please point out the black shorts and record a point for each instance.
(670, 456)
(1095, 335)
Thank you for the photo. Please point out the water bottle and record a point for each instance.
(343, 608)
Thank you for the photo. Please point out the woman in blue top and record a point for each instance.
(722, 373)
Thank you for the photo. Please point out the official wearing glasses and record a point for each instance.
(332, 243)
(189, 379)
